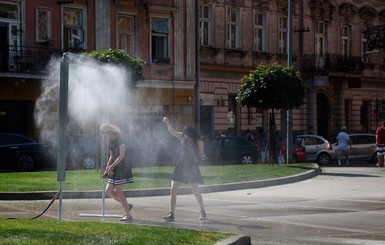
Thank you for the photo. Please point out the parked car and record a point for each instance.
(22, 153)
(150, 152)
(230, 150)
(297, 150)
(363, 148)
(311, 145)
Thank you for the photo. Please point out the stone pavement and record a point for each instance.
(149, 206)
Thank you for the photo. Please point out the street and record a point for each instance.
(343, 205)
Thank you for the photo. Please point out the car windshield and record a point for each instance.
(14, 139)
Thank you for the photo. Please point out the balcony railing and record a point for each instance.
(27, 59)
(331, 62)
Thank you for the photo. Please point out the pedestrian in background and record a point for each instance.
(343, 145)
(118, 171)
(263, 137)
(249, 136)
(380, 142)
(186, 169)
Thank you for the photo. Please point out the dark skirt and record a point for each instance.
(187, 170)
(122, 174)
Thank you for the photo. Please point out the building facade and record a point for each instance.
(159, 32)
(346, 86)
(329, 47)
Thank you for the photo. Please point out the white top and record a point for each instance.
(342, 140)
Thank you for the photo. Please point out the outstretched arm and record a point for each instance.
(201, 147)
(173, 132)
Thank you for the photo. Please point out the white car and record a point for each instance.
(363, 148)
(311, 145)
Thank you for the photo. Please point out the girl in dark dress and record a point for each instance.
(186, 170)
(118, 170)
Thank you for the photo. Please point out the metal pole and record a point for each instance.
(63, 117)
(289, 129)
(197, 67)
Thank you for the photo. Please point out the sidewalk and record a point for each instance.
(149, 206)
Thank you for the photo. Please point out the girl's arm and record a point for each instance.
(201, 149)
(122, 154)
(111, 165)
(173, 132)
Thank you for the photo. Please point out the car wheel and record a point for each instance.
(247, 159)
(25, 163)
(324, 158)
(89, 163)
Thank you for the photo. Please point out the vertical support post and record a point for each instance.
(197, 67)
(289, 130)
(63, 117)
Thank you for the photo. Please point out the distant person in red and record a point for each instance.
(380, 142)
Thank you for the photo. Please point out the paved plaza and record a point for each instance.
(338, 206)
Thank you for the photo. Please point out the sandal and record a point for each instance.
(126, 218)
(169, 217)
(203, 215)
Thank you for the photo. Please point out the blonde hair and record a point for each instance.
(109, 128)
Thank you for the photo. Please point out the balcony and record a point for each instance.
(25, 59)
(331, 63)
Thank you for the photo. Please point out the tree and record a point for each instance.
(272, 87)
(121, 58)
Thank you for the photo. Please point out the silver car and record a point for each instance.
(311, 145)
(363, 148)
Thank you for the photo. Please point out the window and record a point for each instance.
(232, 28)
(206, 25)
(320, 38)
(9, 11)
(282, 38)
(345, 37)
(231, 112)
(364, 48)
(260, 36)
(73, 28)
(126, 33)
(159, 41)
(43, 24)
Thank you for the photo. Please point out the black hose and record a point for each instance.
(45, 210)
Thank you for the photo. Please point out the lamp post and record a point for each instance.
(197, 67)
(289, 129)
(62, 133)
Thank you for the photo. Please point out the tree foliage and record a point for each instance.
(121, 58)
(272, 87)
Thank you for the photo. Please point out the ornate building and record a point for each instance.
(346, 86)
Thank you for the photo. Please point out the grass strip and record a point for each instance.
(42, 232)
(145, 177)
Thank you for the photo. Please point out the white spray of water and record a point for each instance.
(97, 93)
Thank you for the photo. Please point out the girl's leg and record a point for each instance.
(174, 191)
(116, 193)
(122, 199)
(195, 190)
(110, 191)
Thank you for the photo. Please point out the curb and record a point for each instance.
(235, 240)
